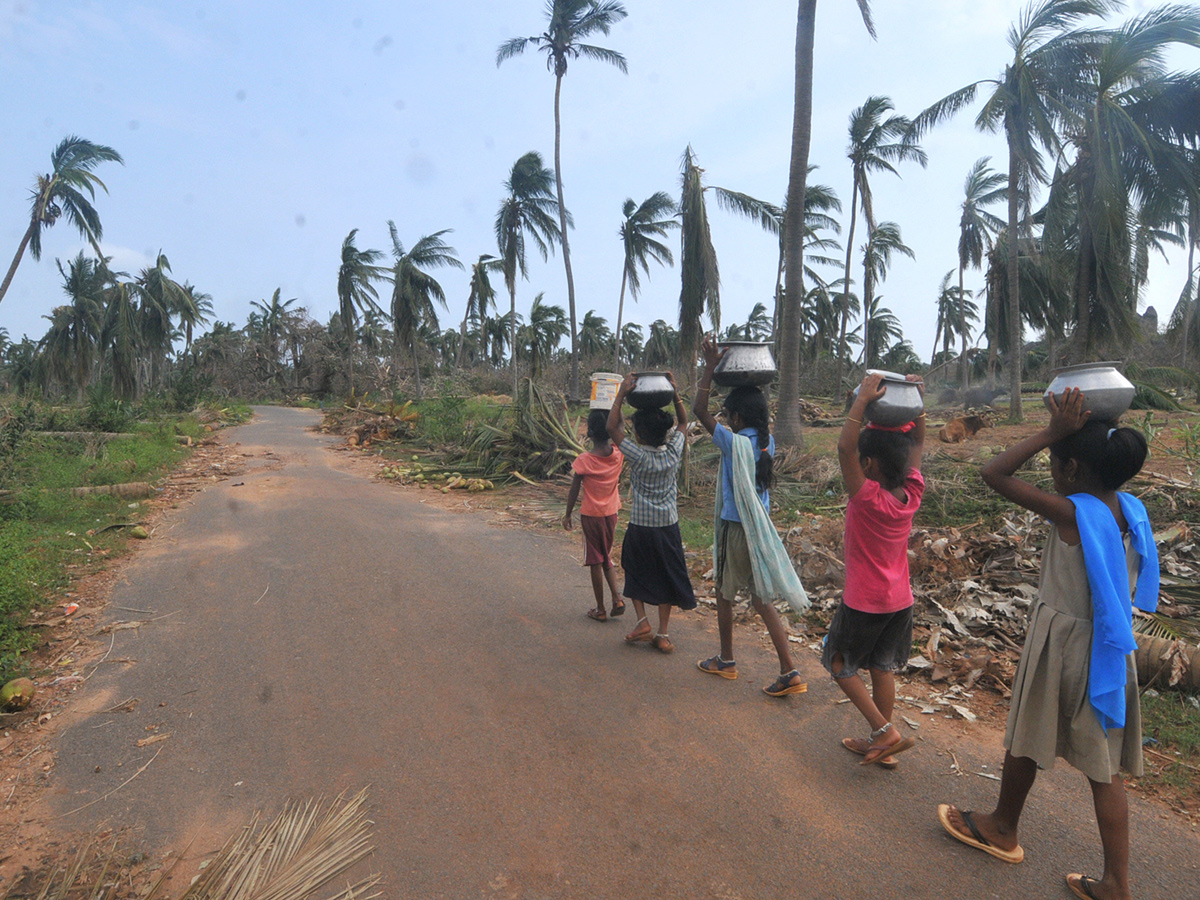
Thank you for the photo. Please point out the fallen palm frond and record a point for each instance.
(540, 440)
(1150, 397)
(307, 846)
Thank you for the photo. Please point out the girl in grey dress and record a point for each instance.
(1052, 713)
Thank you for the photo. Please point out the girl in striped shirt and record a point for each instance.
(652, 551)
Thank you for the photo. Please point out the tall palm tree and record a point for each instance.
(662, 345)
(75, 328)
(356, 291)
(61, 192)
(538, 339)
(880, 328)
(160, 298)
(877, 252)
(638, 232)
(977, 229)
(121, 337)
(481, 299)
(594, 335)
(570, 22)
(1131, 164)
(195, 311)
(878, 142)
(415, 291)
(954, 311)
(787, 424)
(274, 317)
(527, 211)
(700, 290)
(1028, 101)
(630, 344)
(1187, 298)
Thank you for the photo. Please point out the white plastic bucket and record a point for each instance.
(604, 389)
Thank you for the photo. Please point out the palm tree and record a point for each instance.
(877, 142)
(976, 231)
(877, 257)
(662, 345)
(481, 299)
(594, 335)
(273, 319)
(121, 337)
(1187, 298)
(195, 311)
(160, 298)
(538, 339)
(60, 192)
(787, 425)
(642, 224)
(954, 311)
(880, 327)
(570, 22)
(527, 211)
(1131, 165)
(1027, 101)
(630, 345)
(415, 291)
(75, 328)
(356, 292)
(701, 281)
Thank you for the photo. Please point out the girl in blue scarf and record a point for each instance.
(1075, 692)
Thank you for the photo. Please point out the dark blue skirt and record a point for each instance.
(655, 568)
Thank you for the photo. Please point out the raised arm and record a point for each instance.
(852, 474)
(712, 356)
(918, 432)
(681, 418)
(999, 473)
(616, 422)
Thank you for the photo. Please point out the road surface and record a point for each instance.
(317, 632)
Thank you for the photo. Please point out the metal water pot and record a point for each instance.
(1106, 392)
(652, 391)
(745, 363)
(901, 403)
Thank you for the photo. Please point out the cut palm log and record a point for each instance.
(133, 490)
(101, 436)
(1164, 663)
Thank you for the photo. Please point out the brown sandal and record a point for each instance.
(597, 615)
(663, 644)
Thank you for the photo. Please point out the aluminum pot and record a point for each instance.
(652, 391)
(1106, 392)
(901, 403)
(745, 363)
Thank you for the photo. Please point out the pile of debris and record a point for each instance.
(365, 423)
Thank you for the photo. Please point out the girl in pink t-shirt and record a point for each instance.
(872, 628)
(596, 474)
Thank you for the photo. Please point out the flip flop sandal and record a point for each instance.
(860, 746)
(597, 615)
(882, 753)
(663, 644)
(618, 610)
(633, 638)
(1078, 885)
(782, 686)
(977, 840)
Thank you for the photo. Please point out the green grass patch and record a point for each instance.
(1173, 720)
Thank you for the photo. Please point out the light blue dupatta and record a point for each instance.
(774, 574)
(1112, 607)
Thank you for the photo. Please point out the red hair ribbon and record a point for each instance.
(902, 429)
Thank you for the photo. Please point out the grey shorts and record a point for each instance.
(733, 560)
(880, 641)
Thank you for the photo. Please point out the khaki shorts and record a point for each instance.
(733, 560)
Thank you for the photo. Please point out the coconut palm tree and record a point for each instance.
(274, 320)
(481, 299)
(877, 257)
(60, 192)
(662, 345)
(594, 335)
(630, 344)
(1131, 166)
(356, 291)
(638, 232)
(878, 142)
(570, 22)
(881, 328)
(121, 337)
(527, 211)
(75, 328)
(160, 299)
(787, 424)
(954, 310)
(1187, 298)
(194, 312)
(1028, 101)
(539, 338)
(700, 291)
(977, 229)
(415, 291)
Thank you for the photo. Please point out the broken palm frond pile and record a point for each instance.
(539, 441)
(365, 423)
(973, 590)
(305, 848)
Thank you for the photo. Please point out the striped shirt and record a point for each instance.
(652, 480)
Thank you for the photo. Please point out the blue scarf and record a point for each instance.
(1112, 612)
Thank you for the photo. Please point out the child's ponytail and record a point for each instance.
(751, 405)
(1113, 454)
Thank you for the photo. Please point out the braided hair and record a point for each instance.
(750, 404)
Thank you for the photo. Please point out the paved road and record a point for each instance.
(324, 633)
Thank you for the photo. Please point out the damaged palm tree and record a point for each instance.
(540, 441)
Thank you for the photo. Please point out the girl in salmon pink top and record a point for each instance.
(872, 628)
(596, 474)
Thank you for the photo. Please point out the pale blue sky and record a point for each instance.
(256, 135)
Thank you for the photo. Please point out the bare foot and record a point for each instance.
(641, 632)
